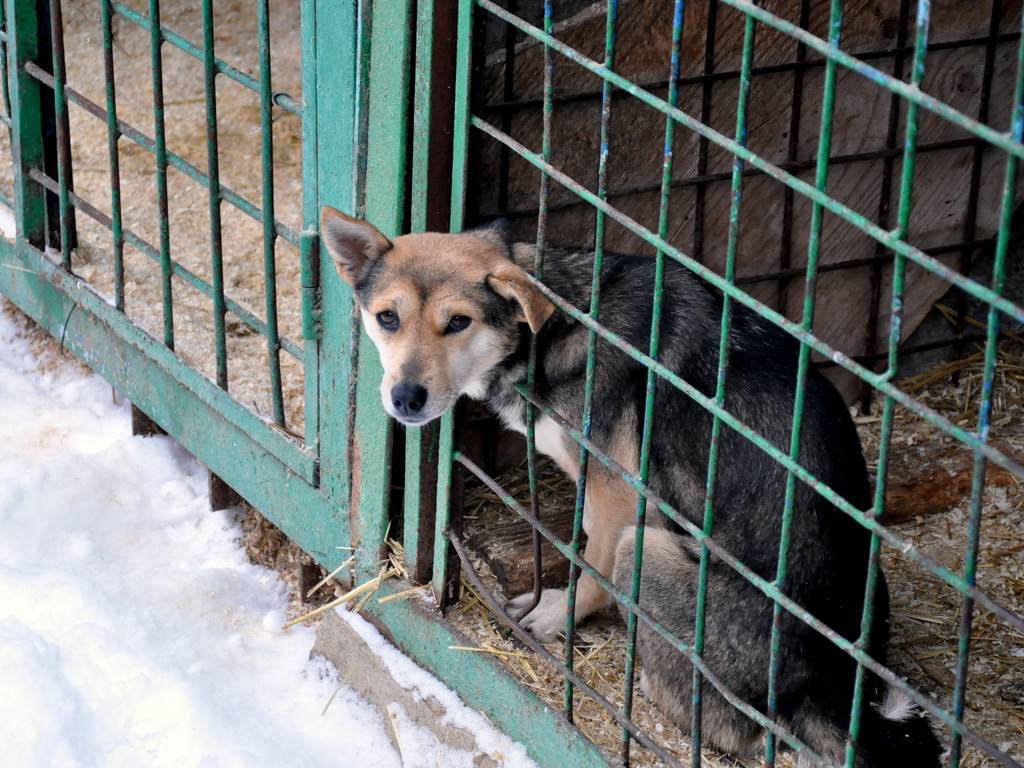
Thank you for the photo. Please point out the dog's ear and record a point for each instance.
(498, 233)
(513, 283)
(353, 243)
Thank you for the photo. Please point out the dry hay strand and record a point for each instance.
(925, 610)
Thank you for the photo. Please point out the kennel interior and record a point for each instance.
(832, 168)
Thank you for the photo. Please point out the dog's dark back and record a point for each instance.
(827, 564)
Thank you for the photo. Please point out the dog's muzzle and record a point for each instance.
(408, 401)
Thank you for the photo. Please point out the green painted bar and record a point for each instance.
(269, 231)
(421, 127)
(460, 172)
(156, 62)
(63, 140)
(895, 332)
(330, 47)
(309, 242)
(654, 345)
(723, 364)
(803, 361)
(442, 522)
(27, 133)
(5, 86)
(113, 134)
(595, 305)
(385, 141)
(213, 171)
(985, 407)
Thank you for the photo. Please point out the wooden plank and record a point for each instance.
(942, 180)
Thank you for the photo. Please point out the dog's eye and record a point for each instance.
(458, 323)
(387, 319)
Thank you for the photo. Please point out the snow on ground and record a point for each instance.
(133, 630)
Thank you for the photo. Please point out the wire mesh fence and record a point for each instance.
(555, 90)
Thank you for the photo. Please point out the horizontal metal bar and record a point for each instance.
(887, 238)
(280, 99)
(247, 317)
(768, 588)
(226, 194)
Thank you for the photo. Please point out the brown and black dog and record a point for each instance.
(452, 314)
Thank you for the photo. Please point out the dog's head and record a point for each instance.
(442, 309)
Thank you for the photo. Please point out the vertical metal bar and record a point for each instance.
(985, 407)
(332, 34)
(460, 132)
(611, 17)
(155, 41)
(460, 156)
(445, 477)
(653, 347)
(269, 233)
(113, 135)
(26, 122)
(723, 363)
(895, 330)
(213, 170)
(389, 100)
(813, 250)
(5, 86)
(531, 365)
(420, 481)
(63, 140)
(309, 243)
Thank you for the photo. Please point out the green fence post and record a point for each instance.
(27, 119)
(329, 88)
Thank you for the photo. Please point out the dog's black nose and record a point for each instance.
(408, 399)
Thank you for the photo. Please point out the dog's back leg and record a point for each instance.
(668, 589)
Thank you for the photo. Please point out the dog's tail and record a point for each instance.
(894, 733)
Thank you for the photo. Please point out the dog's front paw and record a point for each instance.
(546, 620)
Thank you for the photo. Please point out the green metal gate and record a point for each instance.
(486, 123)
(388, 134)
